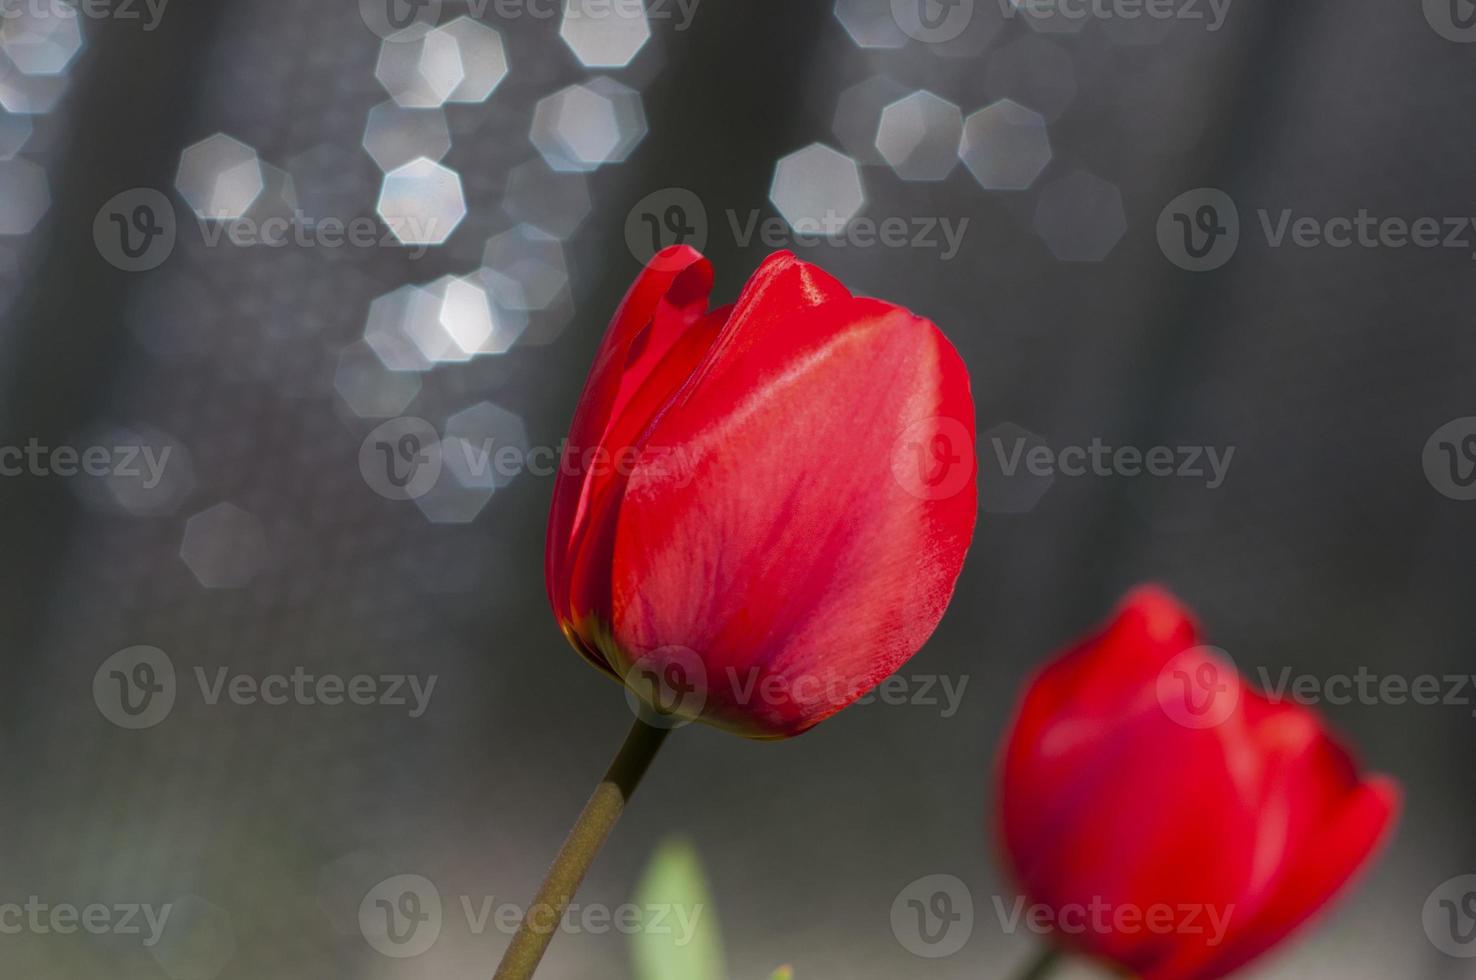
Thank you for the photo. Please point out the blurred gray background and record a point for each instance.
(1332, 544)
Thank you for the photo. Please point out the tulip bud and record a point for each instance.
(796, 500)
(1190, 820)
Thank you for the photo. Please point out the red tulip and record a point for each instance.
(771, 498)
(1143, 775)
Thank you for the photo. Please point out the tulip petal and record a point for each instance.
(627, 435)
(1083, 816)
(1149, 628)
(785, 551)
(1107, 793)
(669, 295)
(1321, 823)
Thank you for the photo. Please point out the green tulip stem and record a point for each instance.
(585, 839)
(1042, 965)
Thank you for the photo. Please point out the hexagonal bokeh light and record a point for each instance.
(423, 72)
(858, 116)
(427, 329)
(394, 135)
(581, 127)
(463, 323)
(162, 483)
(485, 446)
(556, 202)
(449, 501)
(870, 23)
(25, 196)
(1005, 146)
(41, 37)
(531, 258)
(278, 199)
(817, 190)
(29, 94)
(15, 131)
(1011, 490)
(421, 202)
(1080, 217)
(630, 114)
(219, 177)
(483, 59)
(473, 321)
(388, 330)
(368, 388)
(574, 129)
(604, 33)
(162, 479)
(448, 321)
(918, 136)
(224, 546)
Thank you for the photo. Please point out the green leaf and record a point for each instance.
(679, 937)
(783, 973)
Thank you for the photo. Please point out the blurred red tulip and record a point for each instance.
(1186, 822)
(761, 509)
